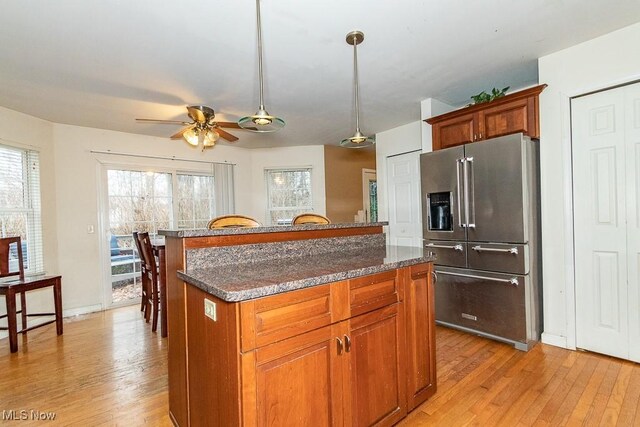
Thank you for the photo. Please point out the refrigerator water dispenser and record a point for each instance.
(440, 211)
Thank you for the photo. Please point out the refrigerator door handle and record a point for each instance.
(513, 281)
(454, 247)
(465, 183)
(469, 193)
(479, 248)
(458, 190)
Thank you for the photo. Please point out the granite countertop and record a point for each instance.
(271, 229)
(239, 282)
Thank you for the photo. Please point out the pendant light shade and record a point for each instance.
(358, 140)
(261, 121)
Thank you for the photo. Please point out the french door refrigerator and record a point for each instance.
(480, 210)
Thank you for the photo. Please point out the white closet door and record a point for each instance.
(403, 182)
(632, 137)
(599, 160)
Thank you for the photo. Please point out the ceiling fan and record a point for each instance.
(203, 130)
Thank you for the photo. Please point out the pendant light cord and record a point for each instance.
(355, 76)
(260, 54)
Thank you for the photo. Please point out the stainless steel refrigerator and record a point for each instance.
(480, 210)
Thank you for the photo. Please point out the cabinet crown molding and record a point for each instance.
(533, 91)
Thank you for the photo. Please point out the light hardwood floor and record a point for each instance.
(110, 369)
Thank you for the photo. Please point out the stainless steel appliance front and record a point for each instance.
(489, 189)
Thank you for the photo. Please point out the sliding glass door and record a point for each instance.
(137, 201)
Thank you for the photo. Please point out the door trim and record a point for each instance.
(569, 341)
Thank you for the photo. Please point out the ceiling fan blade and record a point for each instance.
(196, 114)
(226, 135)
(179, 134)
(232, 125)
(171, 122)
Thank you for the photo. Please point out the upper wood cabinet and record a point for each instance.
(513, 113)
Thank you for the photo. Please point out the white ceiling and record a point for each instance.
(103, 63)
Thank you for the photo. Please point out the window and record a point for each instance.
(20, 203)
(288, 194)
(196, 200)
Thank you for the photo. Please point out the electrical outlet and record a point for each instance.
(90, 229)
(210, 309)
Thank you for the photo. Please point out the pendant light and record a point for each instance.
(261, 121)
(358, 140)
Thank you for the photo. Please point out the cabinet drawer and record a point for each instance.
(274, 318)
(368, 293)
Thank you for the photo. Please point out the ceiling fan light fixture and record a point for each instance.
(210, 138)
(204, 137)
(261, 121)
(358, 140)
(191, 136)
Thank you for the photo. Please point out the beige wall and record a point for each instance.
(343, 180)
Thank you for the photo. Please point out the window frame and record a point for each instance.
(267, 180)
(31, 209)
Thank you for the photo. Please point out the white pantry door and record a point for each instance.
(606, 183)
(403, 182)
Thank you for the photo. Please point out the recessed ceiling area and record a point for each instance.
(102, 64)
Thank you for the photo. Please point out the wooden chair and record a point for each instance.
(226, 221)
(310, 218)
(145, 300)
(151, 276)
(21, 285)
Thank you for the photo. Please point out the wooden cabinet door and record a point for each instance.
(298, 381)
(420, 320)
(505, 119)
(454, 131)
(375, 389)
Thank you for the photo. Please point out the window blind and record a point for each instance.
(20, 212)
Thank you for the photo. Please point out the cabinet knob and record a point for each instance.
(340, 346)
(480, 137)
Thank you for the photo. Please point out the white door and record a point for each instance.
(606, 162)
(403, 182)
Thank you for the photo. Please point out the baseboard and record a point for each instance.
(555, 340)
(81, 310)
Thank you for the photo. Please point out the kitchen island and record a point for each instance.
(302, 325)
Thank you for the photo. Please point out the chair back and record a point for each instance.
(5, 257)
(310, 218)
(136, 240)
(227, 221)
(146, 251)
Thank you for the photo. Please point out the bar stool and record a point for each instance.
(145, 300)
(310, 218)
(151, 275)
(232, 221)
